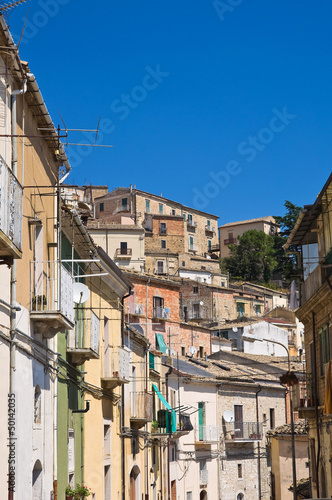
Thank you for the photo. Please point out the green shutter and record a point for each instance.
(151, 361)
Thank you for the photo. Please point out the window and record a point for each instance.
(183, 351)
(183, 264)
(173, 454)
(184, 216)
(201, 420)
(208, 223)
(101, 207)
(124, 203)
(158, 304)
(147, 206)
(264, 418)
(195, 289)
(190, 218)
(240, 309)
(37, 406)
(163, 228)
(239, 471)
(238, 421)
(324, 347)
(161, 208)
(203, 268)
(196, 311)
(189, 495)
(185, 312)
(272, 418)
(258, 310)
(160, 267)
(173, 212)
(209, 244)
(201, 351)
(191, 243)
(107, 441)
(163, 244)
(123, 248)
(154, 455)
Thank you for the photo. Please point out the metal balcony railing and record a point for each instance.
(134, 308)
(11, 211)
(193, 248)
(123, 253)
(51, 289)
(161, 312)
(116, 363)
(230, 241)
(141, 406)
(122, 208)
(201, 314)
(243, 431)
(303, 393)
(86, 333)
(191, 223)
(207, 433)
(210, 229)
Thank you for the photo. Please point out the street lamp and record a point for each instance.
(254, 339)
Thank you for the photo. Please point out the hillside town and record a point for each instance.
(134, 366)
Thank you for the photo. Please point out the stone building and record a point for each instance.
(311, 240)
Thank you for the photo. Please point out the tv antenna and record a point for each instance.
(10, 5)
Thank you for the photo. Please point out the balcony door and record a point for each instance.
(238, 421)
(201, 419)
(123, 248)
(106, 348)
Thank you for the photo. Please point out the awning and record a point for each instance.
(167, 405)
(161, 343)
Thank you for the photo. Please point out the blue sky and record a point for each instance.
(224, 106)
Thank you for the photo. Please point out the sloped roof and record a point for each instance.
(301, 428)
(268, 218)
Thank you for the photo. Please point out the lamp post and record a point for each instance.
(253, 339)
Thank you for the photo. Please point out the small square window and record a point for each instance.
(163, 243)
(101, 207)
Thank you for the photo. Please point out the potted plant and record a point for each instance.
(289, 378)
(69, 493)
(81, 492)
(154, 426)
(39, 302)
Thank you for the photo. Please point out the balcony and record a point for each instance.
(210, 229)
(161, 313)
(312, 284)
(136, 309)
(303, 397)
(83, 341)
(243, 432)
(51, 298)
(230, 241)
(206, 434)
(214, 248)
(11, 213)
(193, 248)
(196, 315)
(191, 223)
(141, 409)
(123, 253)
(116, 367)
(122, 208)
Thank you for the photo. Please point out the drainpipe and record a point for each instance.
(122, 416)
(258, 448)
(316, 400)
(12, 370)
(168, 448)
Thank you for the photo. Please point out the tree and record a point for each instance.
(253, 258)
(287, 267)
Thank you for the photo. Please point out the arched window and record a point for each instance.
(240, 496)
(37, 406)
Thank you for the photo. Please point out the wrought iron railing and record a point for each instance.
(11, 205)
(51, 288)
(243, 431)
(161, 312)
(86, 334)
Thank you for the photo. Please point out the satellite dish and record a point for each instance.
(192, 350)
(81, 293)
(234, 329)
(228, 416)
(201, 303)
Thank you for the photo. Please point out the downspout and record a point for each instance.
(13, 269)
(316, 402)
(123, 465)
(168, 447)
(258, 448)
